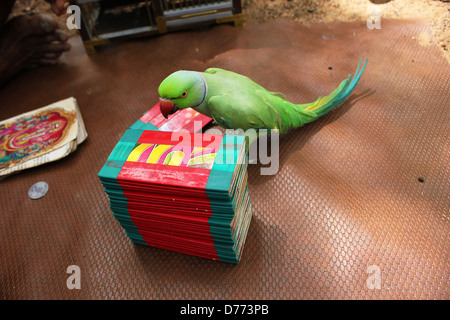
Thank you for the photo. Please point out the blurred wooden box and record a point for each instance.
(105, 20)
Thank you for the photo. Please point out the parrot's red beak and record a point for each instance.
(167, 107)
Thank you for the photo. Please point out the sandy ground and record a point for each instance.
(436, 12)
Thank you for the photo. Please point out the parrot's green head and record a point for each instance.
(180, 90)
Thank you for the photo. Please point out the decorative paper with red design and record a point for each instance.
(40, 136)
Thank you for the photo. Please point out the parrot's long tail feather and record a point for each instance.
(323, 105)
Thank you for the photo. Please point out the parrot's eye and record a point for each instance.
(184, 94)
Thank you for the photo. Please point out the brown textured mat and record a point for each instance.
(345, 207)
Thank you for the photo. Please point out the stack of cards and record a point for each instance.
(180, 191)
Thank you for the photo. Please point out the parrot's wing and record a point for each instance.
(279, 94)
(224, 110)
(283, 114)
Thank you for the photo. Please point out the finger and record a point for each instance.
(36, 62)
(55, 47)
(48, 62)
(60, 7)
(59, 35)
(43, 24)
(51, 55)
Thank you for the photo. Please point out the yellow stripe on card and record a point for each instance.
(177, 158)
(197, 149)
(136, 153)
(157, 152)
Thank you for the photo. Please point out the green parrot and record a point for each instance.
(236, 102)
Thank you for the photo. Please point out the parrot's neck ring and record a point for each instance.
(205, 90)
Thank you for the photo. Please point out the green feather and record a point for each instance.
(324, 105)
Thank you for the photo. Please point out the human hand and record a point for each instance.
(59, 7)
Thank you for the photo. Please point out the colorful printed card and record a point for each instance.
(40, 136)
(186, 119)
